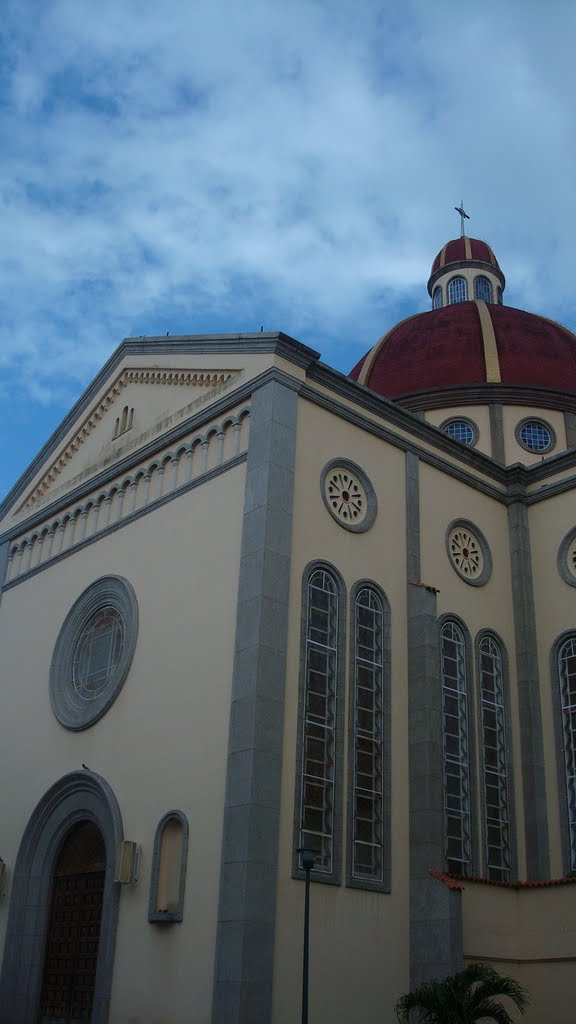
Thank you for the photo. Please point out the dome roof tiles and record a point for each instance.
(470, 343)
(461, 249)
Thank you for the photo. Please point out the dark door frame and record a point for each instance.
(78, 796)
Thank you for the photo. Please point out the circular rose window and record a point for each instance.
(348, 495)
(567, 558)
(93, 652)
(468, 552)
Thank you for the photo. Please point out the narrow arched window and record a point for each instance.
(369, 742)
(457, 815)
(567, 681)
(166, 905)
(495, 760)
(437, 298)
(499, 298)
(318, 813)
(457, 290)
(482, 289)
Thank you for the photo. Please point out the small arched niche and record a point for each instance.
(169, 859)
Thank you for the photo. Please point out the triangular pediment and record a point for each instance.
(138, 405)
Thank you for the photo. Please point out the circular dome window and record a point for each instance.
(461, 430)
(535, 436)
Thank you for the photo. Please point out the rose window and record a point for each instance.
(345, 496)
(466, 553)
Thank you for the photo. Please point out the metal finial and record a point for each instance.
(463, 215)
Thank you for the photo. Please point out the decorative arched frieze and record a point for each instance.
(163, 474)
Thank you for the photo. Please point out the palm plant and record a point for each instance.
(467, 997)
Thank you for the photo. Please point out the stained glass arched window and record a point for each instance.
(320, 721)
(457, 290)
(457, 813)
(495, 760)
(482, 289)
(566, 655)
(369, 742)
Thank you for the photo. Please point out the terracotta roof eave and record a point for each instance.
(457, 881)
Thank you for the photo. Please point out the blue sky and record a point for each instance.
(197, 166)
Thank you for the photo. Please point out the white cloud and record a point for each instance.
(288, 162)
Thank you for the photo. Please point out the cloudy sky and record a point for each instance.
(197, 166)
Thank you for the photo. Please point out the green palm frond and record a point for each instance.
(465, 998)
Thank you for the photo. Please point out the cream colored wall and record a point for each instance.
(512, 415)
(162, 744)
(359, 961)
(444, 499)
(479, 414)
(555, 606)
(529, 934)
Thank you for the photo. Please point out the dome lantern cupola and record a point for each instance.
(465, 269)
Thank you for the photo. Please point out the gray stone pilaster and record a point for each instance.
(497, 432)
(435, 910)
(570, 425)
(531, 739)
(4, 553)
(245, 939)
(412, 517)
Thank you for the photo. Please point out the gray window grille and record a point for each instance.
(495, 761)
(567, 677)
(457, 290)
(482, 289)
(368, 736)
(457, 817)
(318, 769)
(97, 653)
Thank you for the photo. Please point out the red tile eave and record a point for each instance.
(457, 881)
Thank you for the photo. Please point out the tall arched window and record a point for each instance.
(482, 289)
(369, 748)
(437, 298)
(566, 664)
(457, 290)
(495, 760)
(318, 795)
(457, 812)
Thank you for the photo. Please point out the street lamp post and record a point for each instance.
(308, 859)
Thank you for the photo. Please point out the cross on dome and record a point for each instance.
(463, 215)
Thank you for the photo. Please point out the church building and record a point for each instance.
(249, 605)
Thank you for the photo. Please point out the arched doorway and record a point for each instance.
(74, 927)
(76, 799)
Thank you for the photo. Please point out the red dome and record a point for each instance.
(460, 250)
(470, 343)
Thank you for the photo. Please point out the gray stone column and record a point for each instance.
(531, 739)
(435, 910)
(570, 425)
(4, 555)
(245, 938)
(497, 432)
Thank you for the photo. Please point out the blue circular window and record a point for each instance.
(461, 430)
(535, 436)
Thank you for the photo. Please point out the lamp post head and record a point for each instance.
(308, 857)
